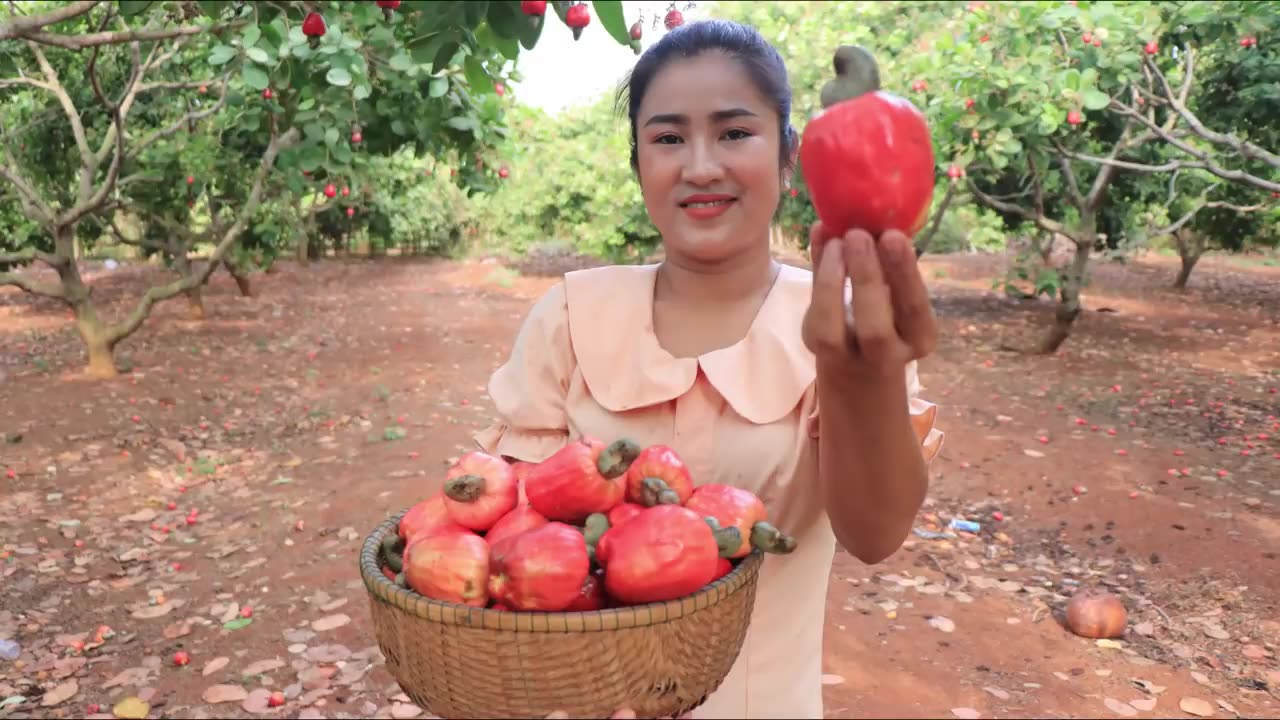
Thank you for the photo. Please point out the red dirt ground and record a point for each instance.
(278, 410)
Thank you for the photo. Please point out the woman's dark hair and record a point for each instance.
(741, 42)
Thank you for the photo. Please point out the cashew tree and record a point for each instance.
(300, 90)
(1042, 105)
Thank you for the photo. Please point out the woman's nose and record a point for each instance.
(702, 164)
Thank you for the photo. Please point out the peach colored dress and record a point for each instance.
(587, 362)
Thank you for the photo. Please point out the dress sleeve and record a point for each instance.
(923, 416)
(529, 391)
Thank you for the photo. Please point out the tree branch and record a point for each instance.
(21, 26)
(68, 107)
(183, 120)
(31, 286)
(1243, 148)
(229, 238)
(120, 37)
(1038, 218)
(927, 238)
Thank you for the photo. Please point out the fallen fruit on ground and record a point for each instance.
(1096, 614)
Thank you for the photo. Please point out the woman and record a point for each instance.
(758, 374)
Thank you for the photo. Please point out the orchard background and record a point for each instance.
(257, 267)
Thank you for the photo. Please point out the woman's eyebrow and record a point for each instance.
(681, 119)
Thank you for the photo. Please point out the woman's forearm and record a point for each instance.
(871, 469)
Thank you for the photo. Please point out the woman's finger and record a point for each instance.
(873, 325)
(625, 713)
(826, 309)
(913, 312)
(817, 241)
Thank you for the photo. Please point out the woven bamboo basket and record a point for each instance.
(659, 659)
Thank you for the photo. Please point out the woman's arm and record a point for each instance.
(871, 469)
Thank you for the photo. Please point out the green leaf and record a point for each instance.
(311, 158)
(424, 49)
(255, 77)
(362, 91)
(1096, 100)
(444, 57)
(438, 87)
(461, 122)
(258, 55)
(339, 77)
(477, 77)
(214, 8)
(401, 62)
(133, 7)
(221, 54)
(250, 36)
(342, 153)
(530, 32)
(610, 14)
(237, 624)
(475, 11)
(331, 136)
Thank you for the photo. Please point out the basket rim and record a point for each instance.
(384, 590)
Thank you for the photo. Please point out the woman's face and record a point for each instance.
(707, 144)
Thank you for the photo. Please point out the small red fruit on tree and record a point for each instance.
(1151, 47)
(637, 30)
(674, 19)
(388, 8)
(1074, 117)
(1087, 38)
(346, 191)
(919, 86)
(968, 103)
(191, 179)
(204, 89)
(330, 190)
(577, 17)
(503, 172)
(1097, 42)
(536, 8)
(356, 137)
(500, 89)
(955, 172)
(351, 212)
(868, 158)
(267, 94)
(313, 27)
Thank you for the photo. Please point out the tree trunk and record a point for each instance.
(240, 276)
(94, 333)
(1069, 301)
(195, 296)
(302, 251)
(1190, 248)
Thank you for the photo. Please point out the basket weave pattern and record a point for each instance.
(660, 659)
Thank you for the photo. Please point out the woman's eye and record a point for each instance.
(666, 139)
(737, 134)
